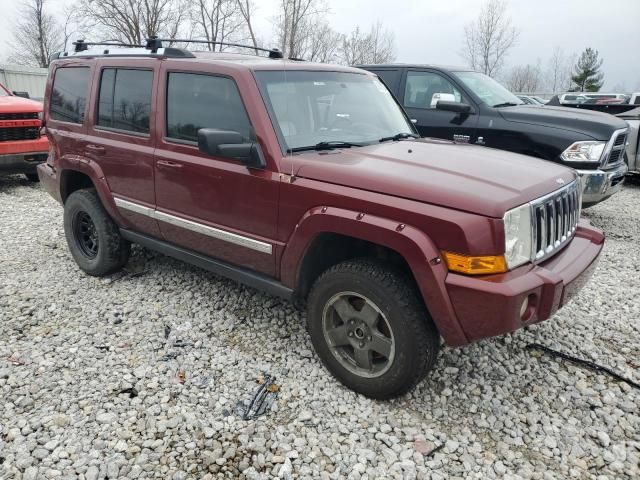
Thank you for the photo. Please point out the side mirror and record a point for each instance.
(457, 107)
(21, 94)
(230, 144)
(446, 97)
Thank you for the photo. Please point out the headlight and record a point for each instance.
(584, 152)
(517, 236)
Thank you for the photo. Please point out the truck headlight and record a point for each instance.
(584, 152)
(517, 236)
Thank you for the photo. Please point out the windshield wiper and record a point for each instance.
(506, 104)
(326, 146)
(399, 136)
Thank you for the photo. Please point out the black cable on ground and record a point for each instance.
(580, 361)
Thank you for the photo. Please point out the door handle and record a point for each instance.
(413, 120)
(168, 163)
(96, 149)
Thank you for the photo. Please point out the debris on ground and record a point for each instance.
(262, 398)
(179, 378)
(14, 360)
(581, 362)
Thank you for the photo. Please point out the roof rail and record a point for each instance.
(154, 43)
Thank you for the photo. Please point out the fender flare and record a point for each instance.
(92, 170)
(412, 244)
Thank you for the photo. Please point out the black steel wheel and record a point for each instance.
(85, 234)
(93, 238)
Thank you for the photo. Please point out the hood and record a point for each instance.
(597, 125)
(471, 178)
(630, 114)
(15, 104)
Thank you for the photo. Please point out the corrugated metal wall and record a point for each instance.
(24, 79)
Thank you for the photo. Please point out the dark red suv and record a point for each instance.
(309, 181)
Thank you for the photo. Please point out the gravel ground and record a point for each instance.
(193, 345)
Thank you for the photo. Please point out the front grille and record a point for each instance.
(19, 133)
(19, 116)
(554, 218)
(618, 143)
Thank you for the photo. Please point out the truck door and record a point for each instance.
(211, 204)
(422, 90)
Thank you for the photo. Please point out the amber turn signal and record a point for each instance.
(475, 265)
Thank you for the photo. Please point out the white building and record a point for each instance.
(24, 79)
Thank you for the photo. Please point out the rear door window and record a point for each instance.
(69, 94)
(124, 102)
(196, 101)
(391, 78)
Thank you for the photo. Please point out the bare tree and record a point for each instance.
(246, 12)
(524, 79)
(489, 38)
(132, 21)
(323, 43)
(218, 21)
(294, 25)
(377, 46)
(559, 71)
(37, 34)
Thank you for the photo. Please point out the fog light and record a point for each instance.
(524, 307)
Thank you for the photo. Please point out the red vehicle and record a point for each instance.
(22, 147)
(306, 180)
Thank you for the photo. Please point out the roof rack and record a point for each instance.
(155, 43)
(81, 46)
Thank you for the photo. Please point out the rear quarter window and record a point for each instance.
(69, 94)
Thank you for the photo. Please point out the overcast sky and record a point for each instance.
(432, 31)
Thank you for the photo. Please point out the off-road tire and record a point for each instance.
(112, 251)
(416, 338)
(32, 177)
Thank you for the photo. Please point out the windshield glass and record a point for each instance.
(310, 107)
(489, 91)
(3, 92)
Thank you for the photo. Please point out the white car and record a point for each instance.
(572, 98)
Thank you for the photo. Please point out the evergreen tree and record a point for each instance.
(587, 75)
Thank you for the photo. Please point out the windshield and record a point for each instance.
(315, 107)
(487, 89)
(3, 92)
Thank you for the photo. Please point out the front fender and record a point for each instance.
(413, 245)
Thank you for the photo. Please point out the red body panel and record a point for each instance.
(12, 104)
(446, 197)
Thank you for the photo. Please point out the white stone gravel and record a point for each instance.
(70, 343)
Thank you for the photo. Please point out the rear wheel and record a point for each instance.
(370, 328)
(93, 238)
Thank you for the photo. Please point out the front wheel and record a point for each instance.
(32, 177)
(370, 328)
(92, 236)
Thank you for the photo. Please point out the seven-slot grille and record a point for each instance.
(554, 219)
(618, 144)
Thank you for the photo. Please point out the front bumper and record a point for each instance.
(598, 185)
(21, 162)
(491, 305)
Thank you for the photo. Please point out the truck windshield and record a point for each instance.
(3, 92)
(331, 109)
(489, 91)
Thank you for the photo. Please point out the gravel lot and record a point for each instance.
(70, 344)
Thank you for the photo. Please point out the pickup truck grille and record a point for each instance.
(616, 146)
(19, 133)
(19, 116)
(554, 218)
